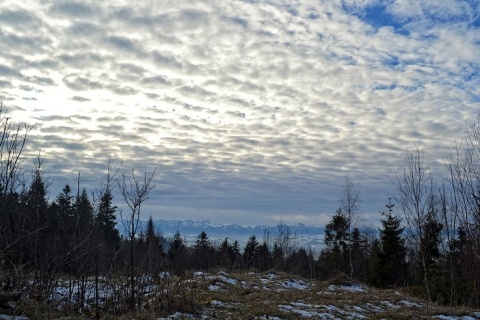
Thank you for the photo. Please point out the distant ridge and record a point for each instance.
(197, 226)
(310, 237)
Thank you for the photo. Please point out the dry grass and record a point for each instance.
(258, 295)
(248, 295)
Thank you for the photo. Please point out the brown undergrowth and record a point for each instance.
(248, 295)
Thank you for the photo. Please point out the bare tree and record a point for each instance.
(283, 241)
(134, 192)
(350, 206)
(416, 199)
(464, 177)
(449, 220)
(13, 138)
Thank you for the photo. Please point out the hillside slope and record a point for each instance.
(279, 296)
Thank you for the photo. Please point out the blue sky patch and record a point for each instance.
(313, 16)
(392, 62)
(476, 22)
(377, 16)
(385, 87)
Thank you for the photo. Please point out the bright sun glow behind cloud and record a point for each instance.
(251, 110)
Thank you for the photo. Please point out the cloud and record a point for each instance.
(257, 108)
(120, 43)
(80, 82)
(81, 59)
(42, 81)
(19, 18)
(5, 84)
(84, 29)
(72, 9)
(80, 99)
(9, 72)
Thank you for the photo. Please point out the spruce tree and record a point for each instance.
(335, 257)
(177, 253)
(336, 232)
(203, 252)
(84, 210)
(223, 256)
(391, 268)
(202, 242)
(250, 252)
(65, 203)
(150, 235)
(263, 260)
(106, 219)
(235, 255)
(153, 247)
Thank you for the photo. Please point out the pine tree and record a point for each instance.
(431, 239)
(36, 196)
(84, 210)
(65, 211)
(277, 257)
(150, 235)
(177, 253)
(41, 227)
(250, 252)
(263, 260)
(336, 232)
(202, 241)
(235, 255)
(430, 247)
(223, 256)
(65, 204)
(203, 251)
(334, 258)
(153, 247)
(391, 268)
(106, 219)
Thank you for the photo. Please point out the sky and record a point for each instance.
(252, 112)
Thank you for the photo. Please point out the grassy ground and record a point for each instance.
(250, 295)
(280, 296)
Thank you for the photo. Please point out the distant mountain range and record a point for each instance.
(228, 230)
(308, 236)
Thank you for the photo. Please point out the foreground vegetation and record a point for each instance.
(66, 256)
(250, 295)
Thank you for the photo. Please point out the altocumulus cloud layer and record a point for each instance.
(253, 111)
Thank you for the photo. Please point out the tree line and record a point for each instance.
(428, 241)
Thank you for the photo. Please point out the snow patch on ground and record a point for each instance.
(321, 311)
(178, 315)
(214, 287)
(217, 303)
(227, 280)
(352, 288)
(410, 304)
(295, 284)
(456, 318)
(389, 305)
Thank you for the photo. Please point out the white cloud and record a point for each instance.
(242, 104)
